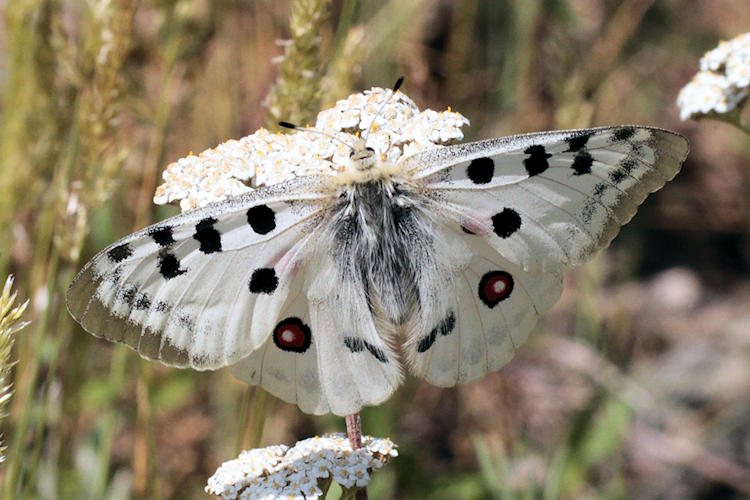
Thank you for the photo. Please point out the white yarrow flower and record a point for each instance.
(266, 158)
(723, 82)
(708, 93)
(278, 472)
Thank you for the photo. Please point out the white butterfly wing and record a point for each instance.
(286, 365)
(360, 367)
(495, 305)
(202, 289)
(325, 354)
(527, 207)
(550, 200)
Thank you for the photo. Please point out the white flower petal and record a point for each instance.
(282, 472)
(723, 82)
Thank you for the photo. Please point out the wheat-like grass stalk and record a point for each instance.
(295, 96)
(10, 323)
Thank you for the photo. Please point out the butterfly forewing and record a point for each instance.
(552, 199)
(183, 291)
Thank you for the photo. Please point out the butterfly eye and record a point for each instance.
(370, 149)
(351, 155)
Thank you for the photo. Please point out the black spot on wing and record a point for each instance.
(262, 219)
(357, 344)
(582, 163)
(628, 165)
(617, 176)
(264, 280)
(588, 211)
(623, 134)
(142, 302)
(506, 223)
(169, 265)
(578, 141)
(536, 163)
(162, 307)
(600, 189)
(120, 252)
(127, 294)
(426, 342)
(162, 235)
(638, 149)
(445, 327)
(481, 170)
(354, 344)
(376, 352)
(208, 236)
(185, 321)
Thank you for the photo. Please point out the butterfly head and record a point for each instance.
(361, 158)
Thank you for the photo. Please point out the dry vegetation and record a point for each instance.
(636, 385)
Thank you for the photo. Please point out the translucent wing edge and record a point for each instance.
(425, 163)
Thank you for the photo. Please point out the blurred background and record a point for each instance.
(636, 385)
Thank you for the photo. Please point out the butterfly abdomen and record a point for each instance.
(379, 234)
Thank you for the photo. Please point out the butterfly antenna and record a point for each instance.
(314, 131)
(396, 86)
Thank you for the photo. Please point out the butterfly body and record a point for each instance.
(320, 289)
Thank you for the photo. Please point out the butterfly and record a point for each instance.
(321, 288)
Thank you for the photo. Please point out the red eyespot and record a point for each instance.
(291, 334)
(495, 287)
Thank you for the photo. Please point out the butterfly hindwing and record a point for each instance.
(550, 200)
(325, 353)
(494, 305)
(358, 367)
(286, 364)
(184, 290)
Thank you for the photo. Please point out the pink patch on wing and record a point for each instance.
(475, 226)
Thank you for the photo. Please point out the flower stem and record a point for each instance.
(733, 119)
(354, 431)
(742, 127)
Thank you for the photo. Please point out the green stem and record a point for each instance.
(108, 421)
(20, 459)
(244, 410)
(742, 127)
(258, 414)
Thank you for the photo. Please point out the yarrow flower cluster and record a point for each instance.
(265, 158)
(303, 471)
(723, 82)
